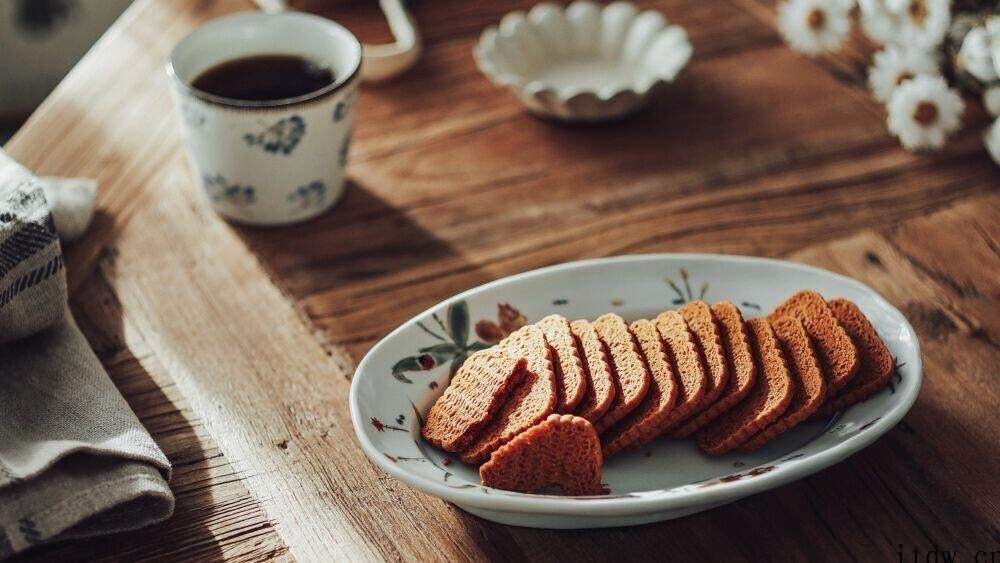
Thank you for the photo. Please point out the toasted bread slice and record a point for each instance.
(741, 367)
(600, 385)
(810, 385)
(473, 398)
(570, 381)
(685, 359)
(766, 402)
(530, 403)
(698, 316)
(644, 423)
(562, 450)
(628, 369)
(877, 363)
(837, 354)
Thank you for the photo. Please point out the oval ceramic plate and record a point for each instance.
(404, 373)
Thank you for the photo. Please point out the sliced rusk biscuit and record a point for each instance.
(600, 384)
(877, 364)
(739, 360)
(837, 354)
(473, 397)
(644, 423)
(571, 384)
(562, 450)
(766, 402)
(685, 359)
(628, 369)
(698, 316)
(809, 383)
(530, 402)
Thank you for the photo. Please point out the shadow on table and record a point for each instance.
(672, 127)
(362, 237)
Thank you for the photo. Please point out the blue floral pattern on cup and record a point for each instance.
(219, 189)
(311, 195)
(340, 111)
(192, 116)
(345, 146)
(280, 137)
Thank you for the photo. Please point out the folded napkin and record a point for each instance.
(71, 202)
(74, 459)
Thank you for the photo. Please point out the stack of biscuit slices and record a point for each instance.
(549, 403)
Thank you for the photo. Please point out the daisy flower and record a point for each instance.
(976, 57)
(894, 65)
(878, 21)
(991, 100)
(924, 23)
(815, 26)
(923, 112)
(915, 23)
(993, 141)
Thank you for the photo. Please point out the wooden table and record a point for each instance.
(236, 346)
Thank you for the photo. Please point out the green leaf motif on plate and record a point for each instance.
(686, 294)
(477, 346)
(409, 363)
(452, 347)
(458, 322)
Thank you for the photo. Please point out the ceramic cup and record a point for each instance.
(272, 162)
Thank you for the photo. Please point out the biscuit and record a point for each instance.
(562, 450)
(766, 402)
(698, 316)
(740, 364)
(571, 384)
(474, 396)
(877, 364)
(530, 402)
(628, 369)
(810, 385)
(644, 423)
(600, 386)
(686, 363)
(837, 354)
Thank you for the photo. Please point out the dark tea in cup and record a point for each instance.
(264, 78)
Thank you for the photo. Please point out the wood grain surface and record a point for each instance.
(236, 346)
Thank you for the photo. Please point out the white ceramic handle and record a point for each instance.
(380, 62)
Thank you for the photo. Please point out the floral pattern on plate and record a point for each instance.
(452, 334)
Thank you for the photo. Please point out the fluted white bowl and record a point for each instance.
(584, 62)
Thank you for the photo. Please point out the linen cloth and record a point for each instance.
(74, 459)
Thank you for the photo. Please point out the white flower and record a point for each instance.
(878, 21)
(895, 64)
(993, 32)
(975, 56)
(991, 101)
(923, 112)
(993, 141)
(815, 26)
(913, 23)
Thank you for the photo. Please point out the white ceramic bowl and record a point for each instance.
(584, 63)
(403, 375)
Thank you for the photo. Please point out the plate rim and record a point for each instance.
(645, 502)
